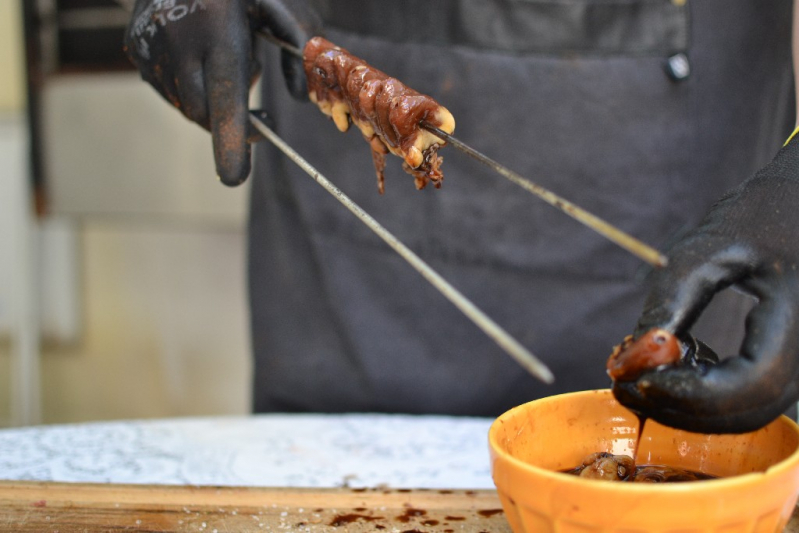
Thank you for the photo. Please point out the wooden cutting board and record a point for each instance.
(72, 508)
(85, 508)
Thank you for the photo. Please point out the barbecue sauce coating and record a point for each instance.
(388, 113)
(632, 357)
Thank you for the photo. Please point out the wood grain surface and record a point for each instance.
(85, 508)
(73, 508)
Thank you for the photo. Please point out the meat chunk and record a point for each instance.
(603, 465)
(609, 467)
(387, 113)
(632, 357)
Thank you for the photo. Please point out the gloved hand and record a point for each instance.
(749, 239)
(198, 55)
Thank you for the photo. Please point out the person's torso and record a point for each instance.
(577, 96)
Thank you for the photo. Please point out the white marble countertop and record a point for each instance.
(358, 450)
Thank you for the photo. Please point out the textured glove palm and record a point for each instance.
(749, 239)
(198, 55)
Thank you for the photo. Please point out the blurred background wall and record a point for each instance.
(132, 274)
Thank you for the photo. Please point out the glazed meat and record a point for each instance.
(387, 112)
(632, 357)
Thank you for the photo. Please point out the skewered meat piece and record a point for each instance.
(632, 357)
(387, 112)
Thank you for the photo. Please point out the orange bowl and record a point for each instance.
(529, 444)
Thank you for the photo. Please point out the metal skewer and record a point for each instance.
(491, 328)
(288, 47)
(612, 233)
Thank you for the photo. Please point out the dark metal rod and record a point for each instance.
(511, 346)
(288, 47)
(614, 234)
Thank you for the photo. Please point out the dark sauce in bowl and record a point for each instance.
(606, 466)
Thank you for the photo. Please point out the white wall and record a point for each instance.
(140, 266)
(12, 130)
(12, 169)
(114, 147)
(12, 88)
(18, 317)
(164, 326)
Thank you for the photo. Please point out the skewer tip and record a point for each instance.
(547, 377)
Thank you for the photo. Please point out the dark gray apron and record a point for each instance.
(572, 94)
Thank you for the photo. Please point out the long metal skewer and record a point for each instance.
(288, 47)
(612, 233)
(491, 328)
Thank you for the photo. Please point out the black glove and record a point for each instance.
(198, 55)
(749, 239)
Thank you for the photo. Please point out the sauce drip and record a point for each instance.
(641, 424)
